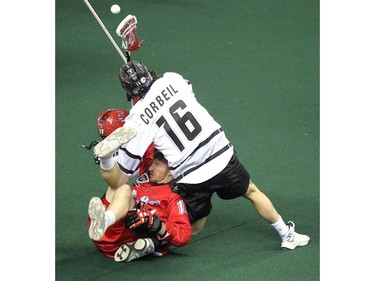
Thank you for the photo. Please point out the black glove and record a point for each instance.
(91, 145)
(147, 220)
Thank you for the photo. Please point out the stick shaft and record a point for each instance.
(105, 31)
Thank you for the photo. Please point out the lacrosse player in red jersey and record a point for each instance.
(150, 220)
(201, 158)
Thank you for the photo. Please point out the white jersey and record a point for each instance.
(190, 139)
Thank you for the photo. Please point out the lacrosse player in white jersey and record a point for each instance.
(201, 158)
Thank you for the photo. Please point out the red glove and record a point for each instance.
(148, 220)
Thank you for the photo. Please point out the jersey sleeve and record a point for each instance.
(135, 155)
(147, 159)
(177, 223)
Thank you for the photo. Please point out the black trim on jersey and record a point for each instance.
(130, 154)
(203, 143)
(213, 156)
(126, 171)
(160, 184)
(135, 157)
(141, 179)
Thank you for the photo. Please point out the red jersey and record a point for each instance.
(147, 159)
(168, 205)
(115, 235)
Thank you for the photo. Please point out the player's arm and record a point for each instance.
(177, 223)
(175, 228)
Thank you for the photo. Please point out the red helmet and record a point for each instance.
(109, 120)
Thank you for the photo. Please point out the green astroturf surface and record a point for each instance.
(255, 66)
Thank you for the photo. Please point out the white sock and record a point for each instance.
(109, 218)
(107, 163)
(280, 227)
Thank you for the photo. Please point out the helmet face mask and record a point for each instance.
(135, 79)
(109, 120)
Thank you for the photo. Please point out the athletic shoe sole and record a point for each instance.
(109, 145)
(130, 251)
(96, 214)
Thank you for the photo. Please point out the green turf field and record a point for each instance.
(255, 66)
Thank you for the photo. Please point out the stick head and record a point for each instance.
(127, 30)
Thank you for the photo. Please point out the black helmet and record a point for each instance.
(135, 79)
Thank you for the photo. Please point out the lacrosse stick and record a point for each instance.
(105, 30)
(127, 31)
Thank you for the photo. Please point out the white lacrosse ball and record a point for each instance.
(115, 9)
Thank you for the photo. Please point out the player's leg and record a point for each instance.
(110, 144)
(111, 173)
(197, 198)
(198, 225)
(262, 204)
(121, 201)
(264, 207)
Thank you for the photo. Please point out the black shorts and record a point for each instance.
(230, 183)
